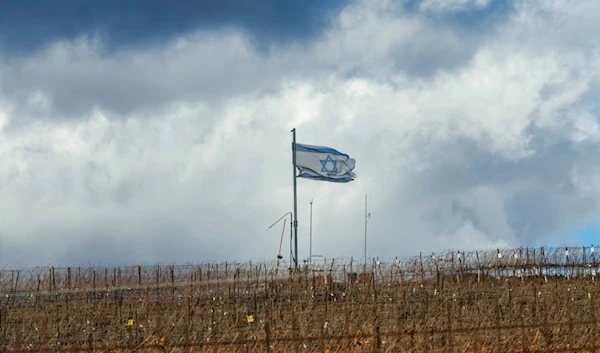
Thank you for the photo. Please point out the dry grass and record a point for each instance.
(476, 302)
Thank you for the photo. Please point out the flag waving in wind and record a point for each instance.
(324, 163)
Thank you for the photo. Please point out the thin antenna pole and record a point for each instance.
(310, 246)
(295, 200)
(367, 217)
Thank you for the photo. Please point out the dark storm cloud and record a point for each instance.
(27, 25)
(126, 56)
(210, 64)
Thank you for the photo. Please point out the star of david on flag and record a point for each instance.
(324, 163)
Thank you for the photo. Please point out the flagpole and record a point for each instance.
(295, 200)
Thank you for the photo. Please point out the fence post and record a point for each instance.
(157, 290)
(172, 269)
(542, 262)
(422, 269)
(584, 262)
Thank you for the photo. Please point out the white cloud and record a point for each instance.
(183, 152)
(452, 5)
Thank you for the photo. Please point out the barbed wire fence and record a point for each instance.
(534, 299)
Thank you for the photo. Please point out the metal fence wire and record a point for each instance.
(500, 300)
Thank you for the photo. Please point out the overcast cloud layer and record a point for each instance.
(474, 124)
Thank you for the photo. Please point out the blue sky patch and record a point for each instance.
(589, 234)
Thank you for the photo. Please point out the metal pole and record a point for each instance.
(365, 230)
(367, 217)
(295, 200)
(310, 247)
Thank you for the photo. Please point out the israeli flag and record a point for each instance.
(324, 163)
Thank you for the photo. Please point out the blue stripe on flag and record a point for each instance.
(318, 177)
(318, 149)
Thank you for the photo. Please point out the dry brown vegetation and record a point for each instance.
(527, 300)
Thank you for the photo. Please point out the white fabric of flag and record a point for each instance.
(324, 163)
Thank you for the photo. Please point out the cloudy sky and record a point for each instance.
(146, 131)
